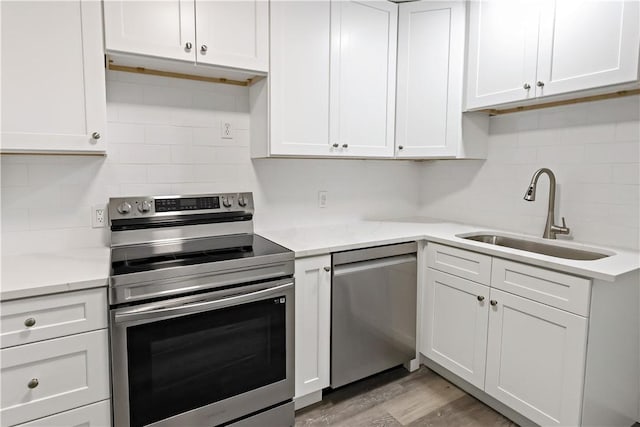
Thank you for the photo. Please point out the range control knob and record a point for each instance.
(145, 206)
(124, 208)
(242, 200)
(227, 201)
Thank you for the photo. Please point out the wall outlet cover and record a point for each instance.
(98, 216)
(322, 198)
(226, 130)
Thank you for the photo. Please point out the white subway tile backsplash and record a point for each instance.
(162, 134)
(125, 133)
(14, 175)
(169, 173)
(144, 154)
(594, 150)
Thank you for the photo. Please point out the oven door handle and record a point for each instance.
(193, 304)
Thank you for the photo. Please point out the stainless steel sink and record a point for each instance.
(539, 248)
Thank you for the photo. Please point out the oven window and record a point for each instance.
(180, 364)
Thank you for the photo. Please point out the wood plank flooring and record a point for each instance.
(398, 398)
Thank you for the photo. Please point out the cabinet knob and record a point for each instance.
(29, 322)
(493, 302)
(540, 84)
(345, 145)
(526, 86)
(480, 298)
(203, 48)
(188, 45)
(33, 383)
(336, 145)
(95, 135)
(400, 147)
(327, 269)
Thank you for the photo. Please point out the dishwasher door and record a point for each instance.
(373, 311)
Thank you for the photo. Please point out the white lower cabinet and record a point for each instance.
(95, 415)
(456, 318)
(312, 330)
(536, 359)
(515, 346)
(54, 364)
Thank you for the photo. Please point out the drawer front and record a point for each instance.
(556, 289)
(52, 376)
(28, 320)
(94, 415)
(466, 264)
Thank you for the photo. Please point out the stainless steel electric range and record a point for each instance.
(201, 314)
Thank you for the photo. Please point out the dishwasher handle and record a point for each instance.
(359, 266)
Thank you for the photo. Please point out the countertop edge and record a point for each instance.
(54, 288)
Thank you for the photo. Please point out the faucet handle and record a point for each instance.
(556, 229)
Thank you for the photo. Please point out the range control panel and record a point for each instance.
(150, 206)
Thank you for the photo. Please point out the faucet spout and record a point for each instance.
(551, 229)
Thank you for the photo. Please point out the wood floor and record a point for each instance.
(398, 398)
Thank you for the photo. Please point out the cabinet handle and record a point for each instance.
(95, 135)
(345, 145)
(540, 84)
(188, 45)
(336, 145)
(203, 48)
(400, 147)
(29, 322)
(480, 298)
(493, 302)
(33, 383)
(526, 86)
(327, 269)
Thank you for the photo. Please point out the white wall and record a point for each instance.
(594, 150)
(164, 138)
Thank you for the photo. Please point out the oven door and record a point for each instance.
(203, 359)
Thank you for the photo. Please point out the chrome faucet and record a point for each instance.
(550, 230)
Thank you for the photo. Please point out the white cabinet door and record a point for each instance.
(299, 78)
(233, 33)
(53, 85)
(455, 325)
(430, 77)
(51, 376)
(161, 28)
(313, 317)
(363, 77)
(503, 48)
(94, 415)
(536, 359)
(587, 44)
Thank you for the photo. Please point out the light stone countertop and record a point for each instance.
(44, 273)
(310, 241)
(47, 273)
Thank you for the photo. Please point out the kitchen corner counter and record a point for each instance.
(44, 273)
(321, 240)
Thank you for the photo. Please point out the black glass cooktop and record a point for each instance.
(156, 256)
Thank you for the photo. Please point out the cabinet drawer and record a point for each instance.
(556, 289)
(465, 264)
(95, 415)
(52, 376)
(54, 316)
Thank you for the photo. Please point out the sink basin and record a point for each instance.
(537, 247)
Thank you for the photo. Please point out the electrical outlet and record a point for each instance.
(226, 130)
(98, 216)
(322, 199)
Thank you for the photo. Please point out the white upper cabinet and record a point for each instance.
(299, 78)
(586, 44)
(53, 85)
(363, 75)
(231, 34)
(429, 119)
(164, 29)
(521, 49)
(503, 48)
(331, 80)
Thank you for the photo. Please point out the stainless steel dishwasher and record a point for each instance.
(373, 311)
